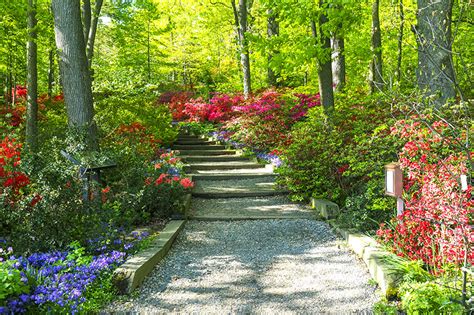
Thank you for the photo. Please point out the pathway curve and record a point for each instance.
(280, 262)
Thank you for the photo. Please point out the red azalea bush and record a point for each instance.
(12, 179)
(436, 225)
(137, 135)
(21, 91)
(163, 186)
(176, 102)
(196, 110)
(221, 107)
(262, 123)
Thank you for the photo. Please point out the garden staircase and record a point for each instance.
(226, 181)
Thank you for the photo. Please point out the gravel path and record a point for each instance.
(255, 267)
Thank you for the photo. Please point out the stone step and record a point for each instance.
(240, 188)
(261, 170)
(195, 142)
(206, 152)
(230, 176)
(233, 165)
(239, 194)
(199, 147)
(188, 138)
(216, 158)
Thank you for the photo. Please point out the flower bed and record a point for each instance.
(60, 281)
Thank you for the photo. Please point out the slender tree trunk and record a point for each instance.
(9, 100)
(237, 34)
(376, 75)
(148, 52)
(273, 29)
(92, 33)
(74, 70)
(32, 81)
(241, 24)
(86, 18)
(324, 64)
(244, 49)
(436, 75)
(400, 41)
(51, 72)
(338, 62)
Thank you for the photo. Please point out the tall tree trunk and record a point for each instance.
(436, 75)
(92, 33)
(324, 63)
(241, 23)
(400, 41)
(376, 82)
(74, 70)
(338, 61)
(32, 81)
(273, 29)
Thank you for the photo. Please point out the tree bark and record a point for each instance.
(74, 70)
(400, 41)
(376, 82)
(338, 61)
(436, 77)
(324, 64)
(32, 81)
(273, 29)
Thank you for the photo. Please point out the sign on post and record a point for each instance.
(394, 184)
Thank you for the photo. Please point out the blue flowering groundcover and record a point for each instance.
(57, 282)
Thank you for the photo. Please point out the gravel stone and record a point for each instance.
(255, 267)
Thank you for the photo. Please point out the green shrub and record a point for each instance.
(117, 110)
(195, 128)
(430, 298)
(343, 158)
(12, 283)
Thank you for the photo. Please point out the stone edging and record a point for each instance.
(366, 248)
(132, 273)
